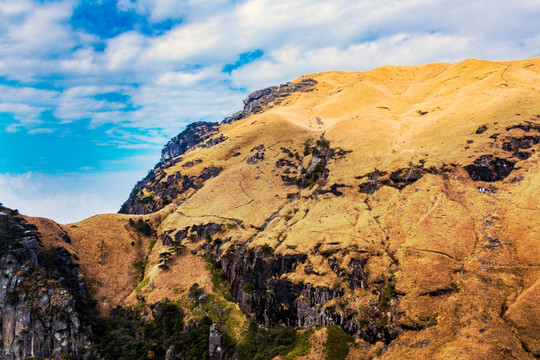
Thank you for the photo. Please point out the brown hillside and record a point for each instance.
(405, 194)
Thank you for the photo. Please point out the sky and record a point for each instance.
(90, 91)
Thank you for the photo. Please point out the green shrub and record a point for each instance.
(388, 292)
(177, 247)
(126, 335)
(219, 283)
(266, 344)
(12, 230)
(195, 291)
(232, 226)
(301, 345)
(142, 227)
(140, 267)
(267, 250)
(323, 144)
(337, 343)
(147, 199)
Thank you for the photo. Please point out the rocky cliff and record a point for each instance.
(149, 196)
(39, 295)
(394, 208)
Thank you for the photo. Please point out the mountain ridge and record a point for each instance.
(397, 203)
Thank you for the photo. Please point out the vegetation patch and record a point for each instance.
(164, 259)
(266, 344)
(126, 335)
(149, 199)
(142, 227)
(388, 293)
(337, 343)
(143, 283)
(220, 285)
(140, 267)
(301, 346)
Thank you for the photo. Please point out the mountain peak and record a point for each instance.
(395, 205)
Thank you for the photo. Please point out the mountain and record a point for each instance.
(385, 214)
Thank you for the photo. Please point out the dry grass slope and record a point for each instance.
(464, 254)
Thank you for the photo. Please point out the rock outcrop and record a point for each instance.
(257, 284)
(39, 291)
(194, 134)
(269, 97)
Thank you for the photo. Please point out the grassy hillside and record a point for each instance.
(405, 194)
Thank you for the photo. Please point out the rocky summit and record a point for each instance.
(385, 214)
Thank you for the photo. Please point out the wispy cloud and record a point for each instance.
(66, 198)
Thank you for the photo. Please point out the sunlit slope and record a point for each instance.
(409, 190)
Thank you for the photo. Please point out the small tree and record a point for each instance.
(164, 258)
(177, 247)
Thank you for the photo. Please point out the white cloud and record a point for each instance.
(66, 198)
(124, 50)
(187, 10)
(187, 42)
(40, 131)
(36, 29)
(291, 62)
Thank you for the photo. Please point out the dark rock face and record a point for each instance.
(160, 191)
(490, 169)
(527, 126)
(200, 134)
(170, 354)
(515, 145)
(198, 232)
(316, 173)
(398, 179)
(163, 190)
(38, 309)
(194, 134)
(482, 129)
(214, 343)
(254, 276)
(258, 155)
(257, 101)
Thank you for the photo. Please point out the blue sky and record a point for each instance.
(90, 91)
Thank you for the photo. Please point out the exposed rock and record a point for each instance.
(191, 163)
(162, 191)
(253, 159)
(38, 311)
(490, 169)
(214, 343)
(527, 127)
(258, 156)
(482, 129)
(273, 300)
(202, 299)
(398, 179)
(515, 145)
(263, 99)
(214, 141)
(170, 354)
(334, 190)
(194, 134)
